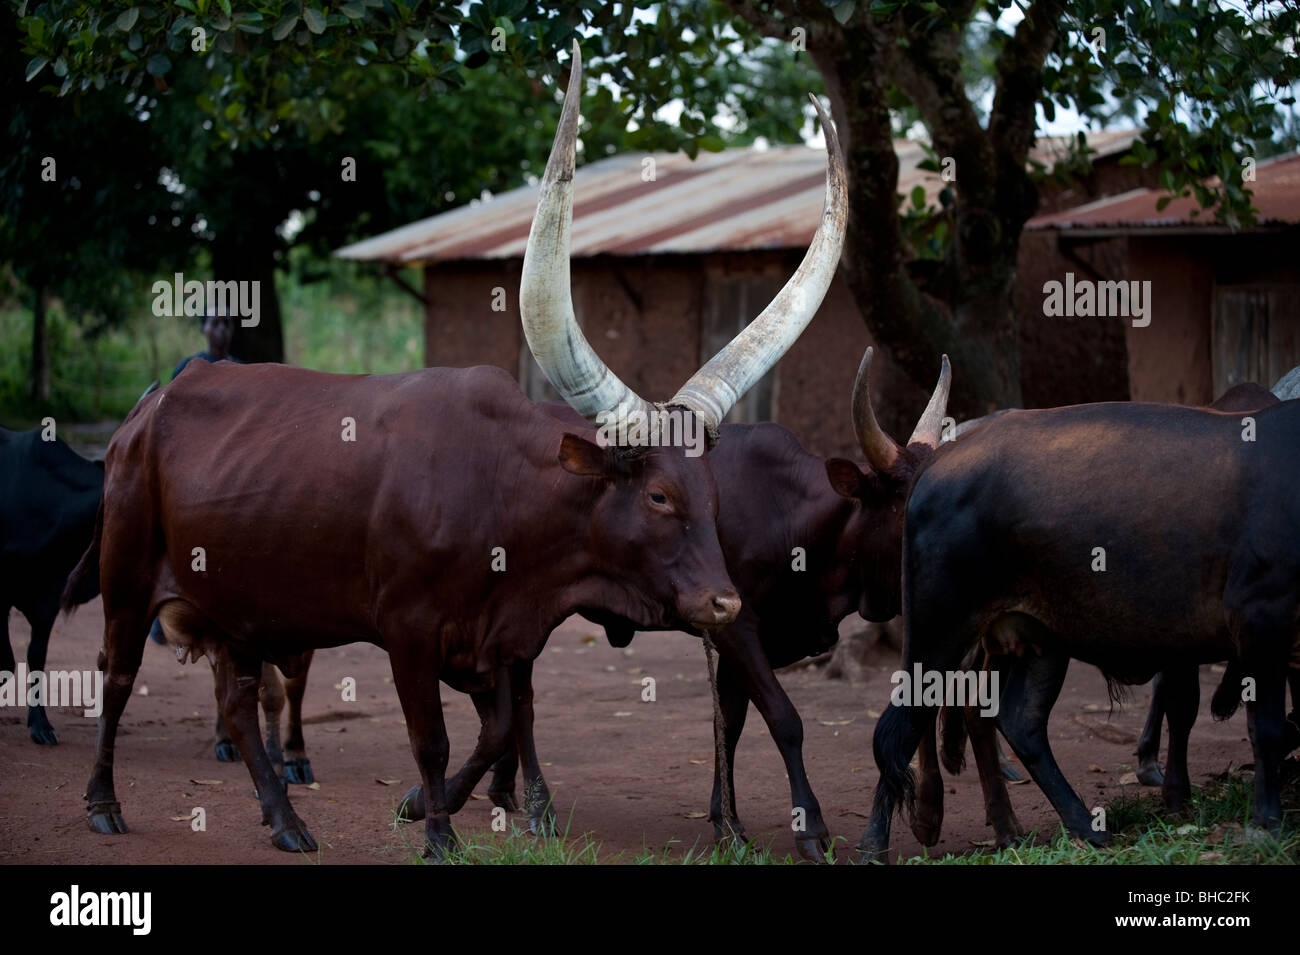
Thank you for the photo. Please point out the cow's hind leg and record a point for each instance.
(1267, 716)
(119, 661)
(272, 697)
(501, 790)
(1182, 697)
(1291, 736)
(1148, 751)
(297, 767)
(224, 747)
(999, 813)
(240, 676)
(42, 619)
(1033, 684)
(537, 795)
(927, 821)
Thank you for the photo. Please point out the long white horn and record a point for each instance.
(715, 388)
(545, 300)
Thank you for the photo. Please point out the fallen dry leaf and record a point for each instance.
(1128, 779)
(984, 843)
(1210, 857)
(874, 714)
(623, 713)
(1094, 768)
(837, 722)
(696, 815)
(313, 786)
(701, 762)
(387, 782)
(207, 782)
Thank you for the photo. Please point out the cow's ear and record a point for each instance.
(845, 476)
(582, 457)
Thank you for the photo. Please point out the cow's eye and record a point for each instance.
(658, 498)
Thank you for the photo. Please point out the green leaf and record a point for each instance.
(314, 19)
(158, 65)
(353, 11)
(284, 27)
(126, 19)
(711, 143)
(918, 197)
(35, 66)
(225, 6)
(60, 67)
(1162, 202)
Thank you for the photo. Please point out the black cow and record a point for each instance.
(1199, 526)
(48, 498)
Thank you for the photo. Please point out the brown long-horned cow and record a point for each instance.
(234, 511)
(776, 497)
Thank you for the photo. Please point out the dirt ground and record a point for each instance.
(633, 774)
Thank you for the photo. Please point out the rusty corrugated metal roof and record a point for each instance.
(1276, 193)
(734, 200)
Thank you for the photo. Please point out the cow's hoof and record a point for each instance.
(1010, 773)
(732, 831)
(544, 823)
(926, 826)
(504, 798)
(812, 848)
(106, 818)
(1098, 840)
(872, 855)
(42, 732)
(293, 837)
(298, 771)
(1150, 774)
(227, 751)
(411, 808)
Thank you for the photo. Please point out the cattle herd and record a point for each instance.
(465, 523)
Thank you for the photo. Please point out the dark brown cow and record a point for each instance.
(776, 498)
(1200, 528)
(457, 531)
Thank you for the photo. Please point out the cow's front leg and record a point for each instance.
(415, 675)
(493, 706)
(239, 678)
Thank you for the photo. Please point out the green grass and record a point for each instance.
(1213, 831)
(353, 321)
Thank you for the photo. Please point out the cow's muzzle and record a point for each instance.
(713, 610)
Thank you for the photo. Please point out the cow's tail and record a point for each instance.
(83, 583)
(893, 746)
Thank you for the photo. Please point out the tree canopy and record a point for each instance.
(271, 80)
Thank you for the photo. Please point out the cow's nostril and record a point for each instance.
(726, 606)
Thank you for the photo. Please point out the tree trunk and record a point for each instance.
(40, 349)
